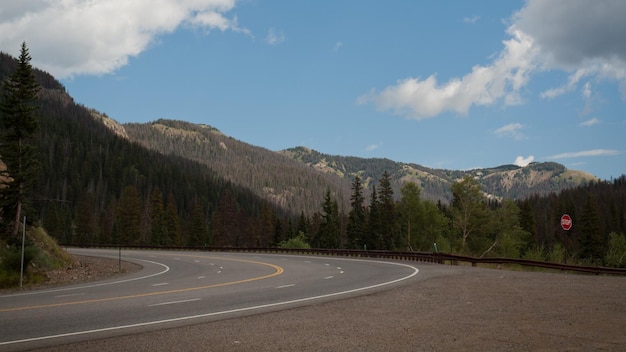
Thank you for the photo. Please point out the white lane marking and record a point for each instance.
(201, 277)
(160, 284)
(236, 310)
(174, 302)
(196, 261)
(328, 277)
(70, 295)
(327, 264)
(167, 268)
(285, 286)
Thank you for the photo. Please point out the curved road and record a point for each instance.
(178, 288)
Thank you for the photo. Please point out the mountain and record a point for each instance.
(93, 177)
(87, 151)
(285, 182)
(298, 178)
(507, 181)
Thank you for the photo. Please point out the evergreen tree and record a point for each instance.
(278, 235)
(374, 232)
(388, 213)
(129, 215)
(329, 226)
(157, 217)
(304, 225)
(18, 121)
(528, 224)
(173, 234)
(265, 229)
(225, 229)
(198, 226)
(108, 223)
(356, 217)
(85, 219)
(591, 240)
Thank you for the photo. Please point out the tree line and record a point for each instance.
(476, 225)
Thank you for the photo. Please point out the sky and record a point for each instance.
(445, 84)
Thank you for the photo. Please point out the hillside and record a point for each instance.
(285, 182)
(507, 181)
(297, 178)
(96, 186)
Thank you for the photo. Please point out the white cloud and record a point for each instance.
(485, 85)
(337, 46)
(98, 37)
(511, 130)
(590, 122)
(581, 37)
(471, 20)
(592, 152)
(274, 38)
(522, 162)
(372, 147)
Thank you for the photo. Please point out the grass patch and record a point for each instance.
(41, 254)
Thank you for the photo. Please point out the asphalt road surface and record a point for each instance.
(183, 288)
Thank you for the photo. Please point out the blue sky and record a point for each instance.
(445, 84)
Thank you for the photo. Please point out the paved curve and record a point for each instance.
(178, 288)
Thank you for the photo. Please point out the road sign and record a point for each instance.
(566, 222)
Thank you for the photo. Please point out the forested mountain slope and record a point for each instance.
(96, 186)
(507, 181)
(285, 182)
(297, 178)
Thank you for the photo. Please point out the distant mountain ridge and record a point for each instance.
(298, 177)
(506, 181)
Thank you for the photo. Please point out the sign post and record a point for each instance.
(566, 222)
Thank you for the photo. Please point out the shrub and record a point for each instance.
(297, 242)
(616, 254)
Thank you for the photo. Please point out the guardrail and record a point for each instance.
(429, 257)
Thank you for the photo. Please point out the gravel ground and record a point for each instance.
(444, 309)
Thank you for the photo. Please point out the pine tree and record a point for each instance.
(198, 226)
(86, 219)
(157, 217)
(329, 226)
(356, 217)
(388, 213)
(172, 233)
(18, 121)
(591, 240)
(373, 234)
(129, 215)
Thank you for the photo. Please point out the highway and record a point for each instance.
(181, 288)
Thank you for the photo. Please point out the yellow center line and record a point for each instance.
(278, 271)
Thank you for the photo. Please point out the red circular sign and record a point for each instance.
(566, 222)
